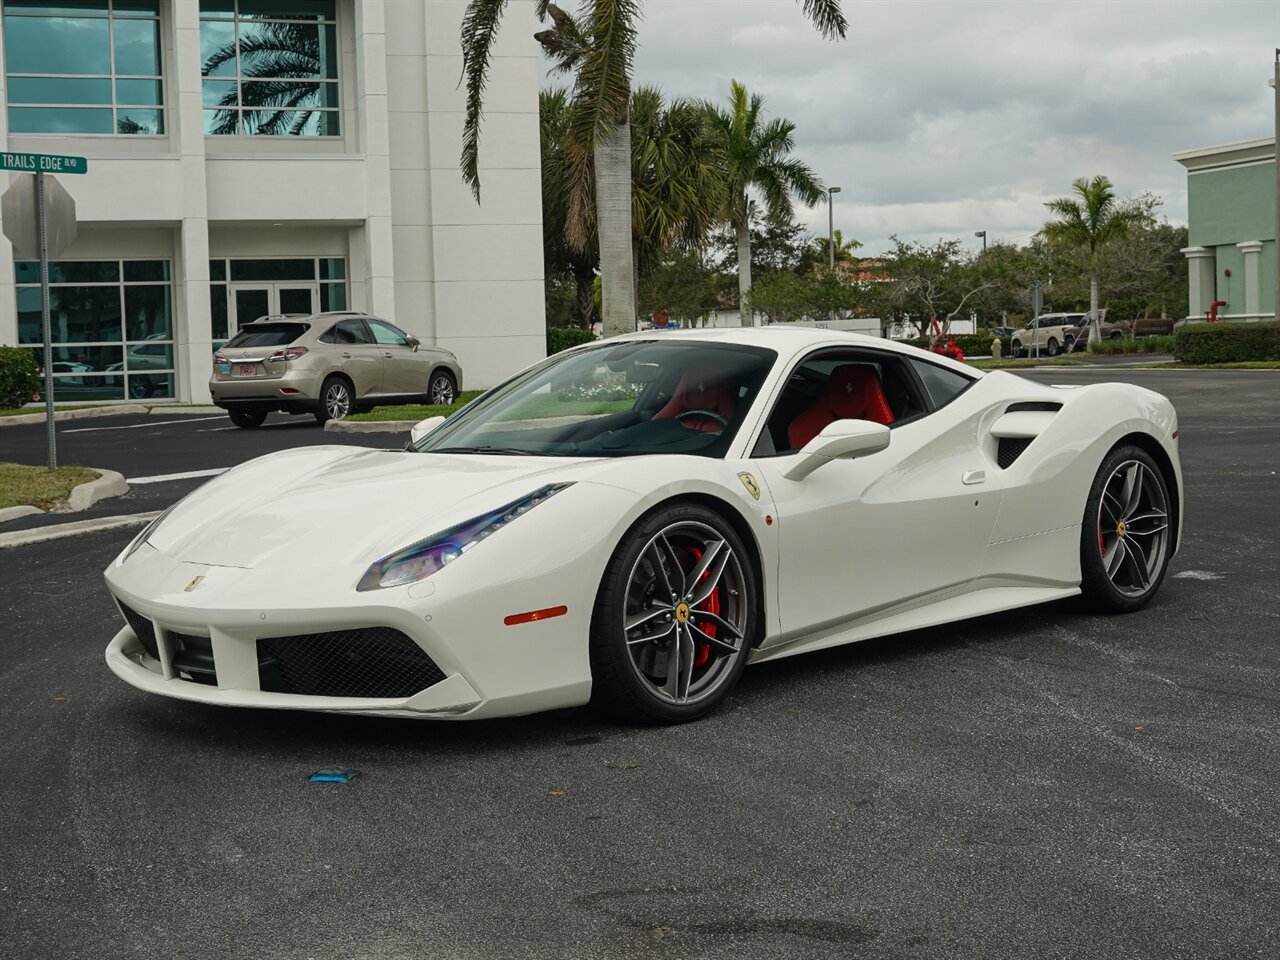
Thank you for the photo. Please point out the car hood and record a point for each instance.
(343, 504)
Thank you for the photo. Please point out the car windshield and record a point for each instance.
(615, 400)
(267, 335)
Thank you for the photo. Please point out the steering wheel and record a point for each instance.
(706, 414)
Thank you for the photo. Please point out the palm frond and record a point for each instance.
(603, 89)
(479, 30)
(827, 16)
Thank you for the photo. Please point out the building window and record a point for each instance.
(88, 66)
(112, 326)
(270, 67)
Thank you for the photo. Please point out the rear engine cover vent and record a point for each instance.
(1043, 406)
(1010, 449)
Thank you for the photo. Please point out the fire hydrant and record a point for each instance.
(995, 349)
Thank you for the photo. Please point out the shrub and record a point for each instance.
(1162, 344)
(1227, 342)
(562, 338)
(971, 345)
(19, 376)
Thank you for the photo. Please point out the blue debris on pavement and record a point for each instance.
(333, 776)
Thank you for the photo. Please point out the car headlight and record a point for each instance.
(145, 535)
(420, 560)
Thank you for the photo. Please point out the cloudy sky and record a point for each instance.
(942, 117)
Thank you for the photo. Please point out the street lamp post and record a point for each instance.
(983, 235)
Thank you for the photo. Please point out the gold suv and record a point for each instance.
(328, 365)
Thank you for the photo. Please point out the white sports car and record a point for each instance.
(633, 521)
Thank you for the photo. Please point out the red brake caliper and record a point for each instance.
(710, 605)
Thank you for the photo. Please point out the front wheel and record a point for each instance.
(674, 618)
(442, 390)
(335, 400)
(1125, 539)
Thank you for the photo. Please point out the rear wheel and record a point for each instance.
(442, 390)
(247, 419)
(335, 400)
(1017, 349)
(1125, 538)
(1052, 347)
(674, 618)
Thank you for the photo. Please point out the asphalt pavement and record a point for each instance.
(1040, 783)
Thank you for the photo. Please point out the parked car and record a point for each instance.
(1052, 332)
(1001, 331)
(329, 365)
(530, 554)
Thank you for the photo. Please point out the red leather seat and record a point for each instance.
(853, 392)
(701, 389)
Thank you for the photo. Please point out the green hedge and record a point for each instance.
(562, 338)
(1227, 342)
(19, 377)
(1156, 344)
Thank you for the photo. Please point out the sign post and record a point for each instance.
(46, 216)
(1037, 302)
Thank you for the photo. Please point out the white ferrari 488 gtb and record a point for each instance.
(633, 521)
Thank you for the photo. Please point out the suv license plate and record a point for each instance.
(246, 369)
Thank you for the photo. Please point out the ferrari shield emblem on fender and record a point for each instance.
(749, 482)
(195, 582)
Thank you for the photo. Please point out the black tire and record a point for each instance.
(1068, 344)
(619, 686)
(1017, 350)
(1129, 586)
(1052, 347)
(336, 401)
(247, 419)
(1116, 335)
(139, 388)
(442, 389)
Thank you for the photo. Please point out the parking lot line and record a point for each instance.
(189, 475)
(136, 426)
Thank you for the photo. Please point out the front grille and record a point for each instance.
(193, 658)
(1010, 449)
(370, 662)
(144, 629)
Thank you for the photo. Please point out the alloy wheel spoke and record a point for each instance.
(1113, 559)
(710, 552)
(681, 588)
(701, 591)
(655, 553)
(1144, 525)
(687, 654)
(1132, 490)
(1137, 561)
(650, 637)
(644, 616)
(703, 617)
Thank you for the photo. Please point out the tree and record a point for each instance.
(843, 249)
(774, 244)
(276, 60)
(932, 283)
(565, 264)
(786, 296)
(756, 155)
(599, 48)
(1090, 220)
(681, 285)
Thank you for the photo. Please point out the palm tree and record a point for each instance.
(599, 47)
(1091, 219)
(756, 155)
(843, 248)
(276, 61)
(561, 255)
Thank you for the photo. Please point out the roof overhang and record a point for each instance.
(1236, 154)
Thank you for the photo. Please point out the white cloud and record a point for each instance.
(941, 117)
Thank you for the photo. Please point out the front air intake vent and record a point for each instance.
(371, 662)
(144, 629)
(1010, 449)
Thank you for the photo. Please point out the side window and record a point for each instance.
(835, 385)
(385, 333)
(943, 385)
(351, 331)
(329, 336)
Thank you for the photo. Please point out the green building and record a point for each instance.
(1231, 216)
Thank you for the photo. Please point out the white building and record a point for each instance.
(263, 156)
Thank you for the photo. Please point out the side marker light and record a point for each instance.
(532, 615)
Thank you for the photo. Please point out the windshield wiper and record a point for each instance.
(484, 448)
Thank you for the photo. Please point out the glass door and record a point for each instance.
(295, 299)
(252, 301)
(248, 304)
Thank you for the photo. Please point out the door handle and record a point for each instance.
(345, 356)
(973, 476)
(388, 355)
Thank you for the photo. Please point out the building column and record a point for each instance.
(193, 333)
(375, 145)
(1252, 250)
(1201, 270)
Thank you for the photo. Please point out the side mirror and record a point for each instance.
(414, 343)
(423, 427)
(839, 440)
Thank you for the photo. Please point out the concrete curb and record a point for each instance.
(124, 408)
(369, 426)
(13, 513)
(85, 495)
(20, 538)
(185, 411)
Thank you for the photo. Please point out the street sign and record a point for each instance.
(20, 214)
(43, 163)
